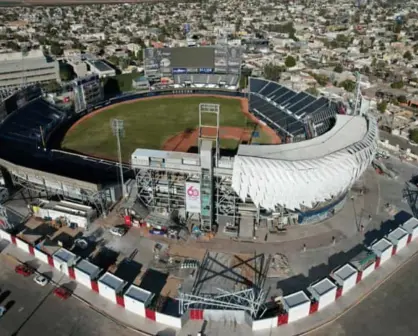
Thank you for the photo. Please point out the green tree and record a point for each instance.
(290, 61)
(413, 135)
(272, 72)
(397, 85)
(114, 60)
(348, 85)
(408, 55)
(56, 49)
(382, 106)
(313, 91)
(66, 72)
(402, 99)
(339, 68)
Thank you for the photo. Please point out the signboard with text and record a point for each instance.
(193, 197)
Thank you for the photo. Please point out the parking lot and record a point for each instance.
(34, 310)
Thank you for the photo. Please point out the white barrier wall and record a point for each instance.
(60, 265)
(82, 278)
(383, 250)
(134, 306)
(171, 321)
(297, 306)
(367, 271)
(411, 226)
(399, 238)
(107, 292)
(22, 245)
(41, 256)
(267, 323)
(346, 277)
(5, 235)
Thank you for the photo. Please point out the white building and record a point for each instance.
(17, 69)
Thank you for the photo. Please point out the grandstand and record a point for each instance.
(33, 122)
(297, 116)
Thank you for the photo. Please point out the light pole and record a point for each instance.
(118, 130)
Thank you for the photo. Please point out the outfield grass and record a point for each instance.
(149, 123)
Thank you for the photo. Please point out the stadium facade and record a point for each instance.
(303, 180)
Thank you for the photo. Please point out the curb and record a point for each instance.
(361, 298)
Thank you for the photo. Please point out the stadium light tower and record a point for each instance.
(118, 130)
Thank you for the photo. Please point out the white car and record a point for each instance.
(2, 311)
(41, 280)
(117, 231)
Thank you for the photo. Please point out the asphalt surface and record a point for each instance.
(390, 310)
(34, 310)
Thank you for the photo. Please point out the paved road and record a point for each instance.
(390, 310)
(35, 311)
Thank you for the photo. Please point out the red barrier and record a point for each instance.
(377, 263)
(282, 319)
(359, 275)
(196, 314)
(14, 240)
(31, 250)
(94, 286)
(409, 238)
(71, 273)
(314, 307)
(50, 261)
(150, 314)
(393, 250)
(339, 292)
(120, 301)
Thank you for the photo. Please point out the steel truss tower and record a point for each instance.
(242, 285)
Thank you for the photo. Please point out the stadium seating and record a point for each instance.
(288, 111)
(27, 123)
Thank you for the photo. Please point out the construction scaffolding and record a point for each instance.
(410, 195)
(227, 283)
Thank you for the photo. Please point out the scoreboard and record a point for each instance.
(196, 60)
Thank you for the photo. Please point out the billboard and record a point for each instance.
(193, 197)
(205, 60)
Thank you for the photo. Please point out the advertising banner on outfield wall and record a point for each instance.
(193, 197)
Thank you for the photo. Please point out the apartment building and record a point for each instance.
(18, 69)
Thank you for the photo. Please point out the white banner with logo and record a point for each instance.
(193, 197)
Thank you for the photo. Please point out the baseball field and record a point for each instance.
(168, 123)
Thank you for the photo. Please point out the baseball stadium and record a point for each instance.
(193, 146)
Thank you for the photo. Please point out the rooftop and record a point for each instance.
(65, 255)
(397, 234)
(382, 245)
(410, 224)
(345, 272)
(111, 281)
(322, 287)
(100, 65)
(346, 131)
(138, 294)
(295, 299)
(87, 267)
(160, 154)
(18, 56)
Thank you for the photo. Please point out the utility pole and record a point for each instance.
(118, 130)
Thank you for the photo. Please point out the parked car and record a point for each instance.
(2, 310)
(62, 293)
(41, 280)
(118, 231)
(24, 270)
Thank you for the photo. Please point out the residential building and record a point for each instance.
(20, 69)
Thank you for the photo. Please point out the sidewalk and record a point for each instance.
(346, 302)
(119, 315)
